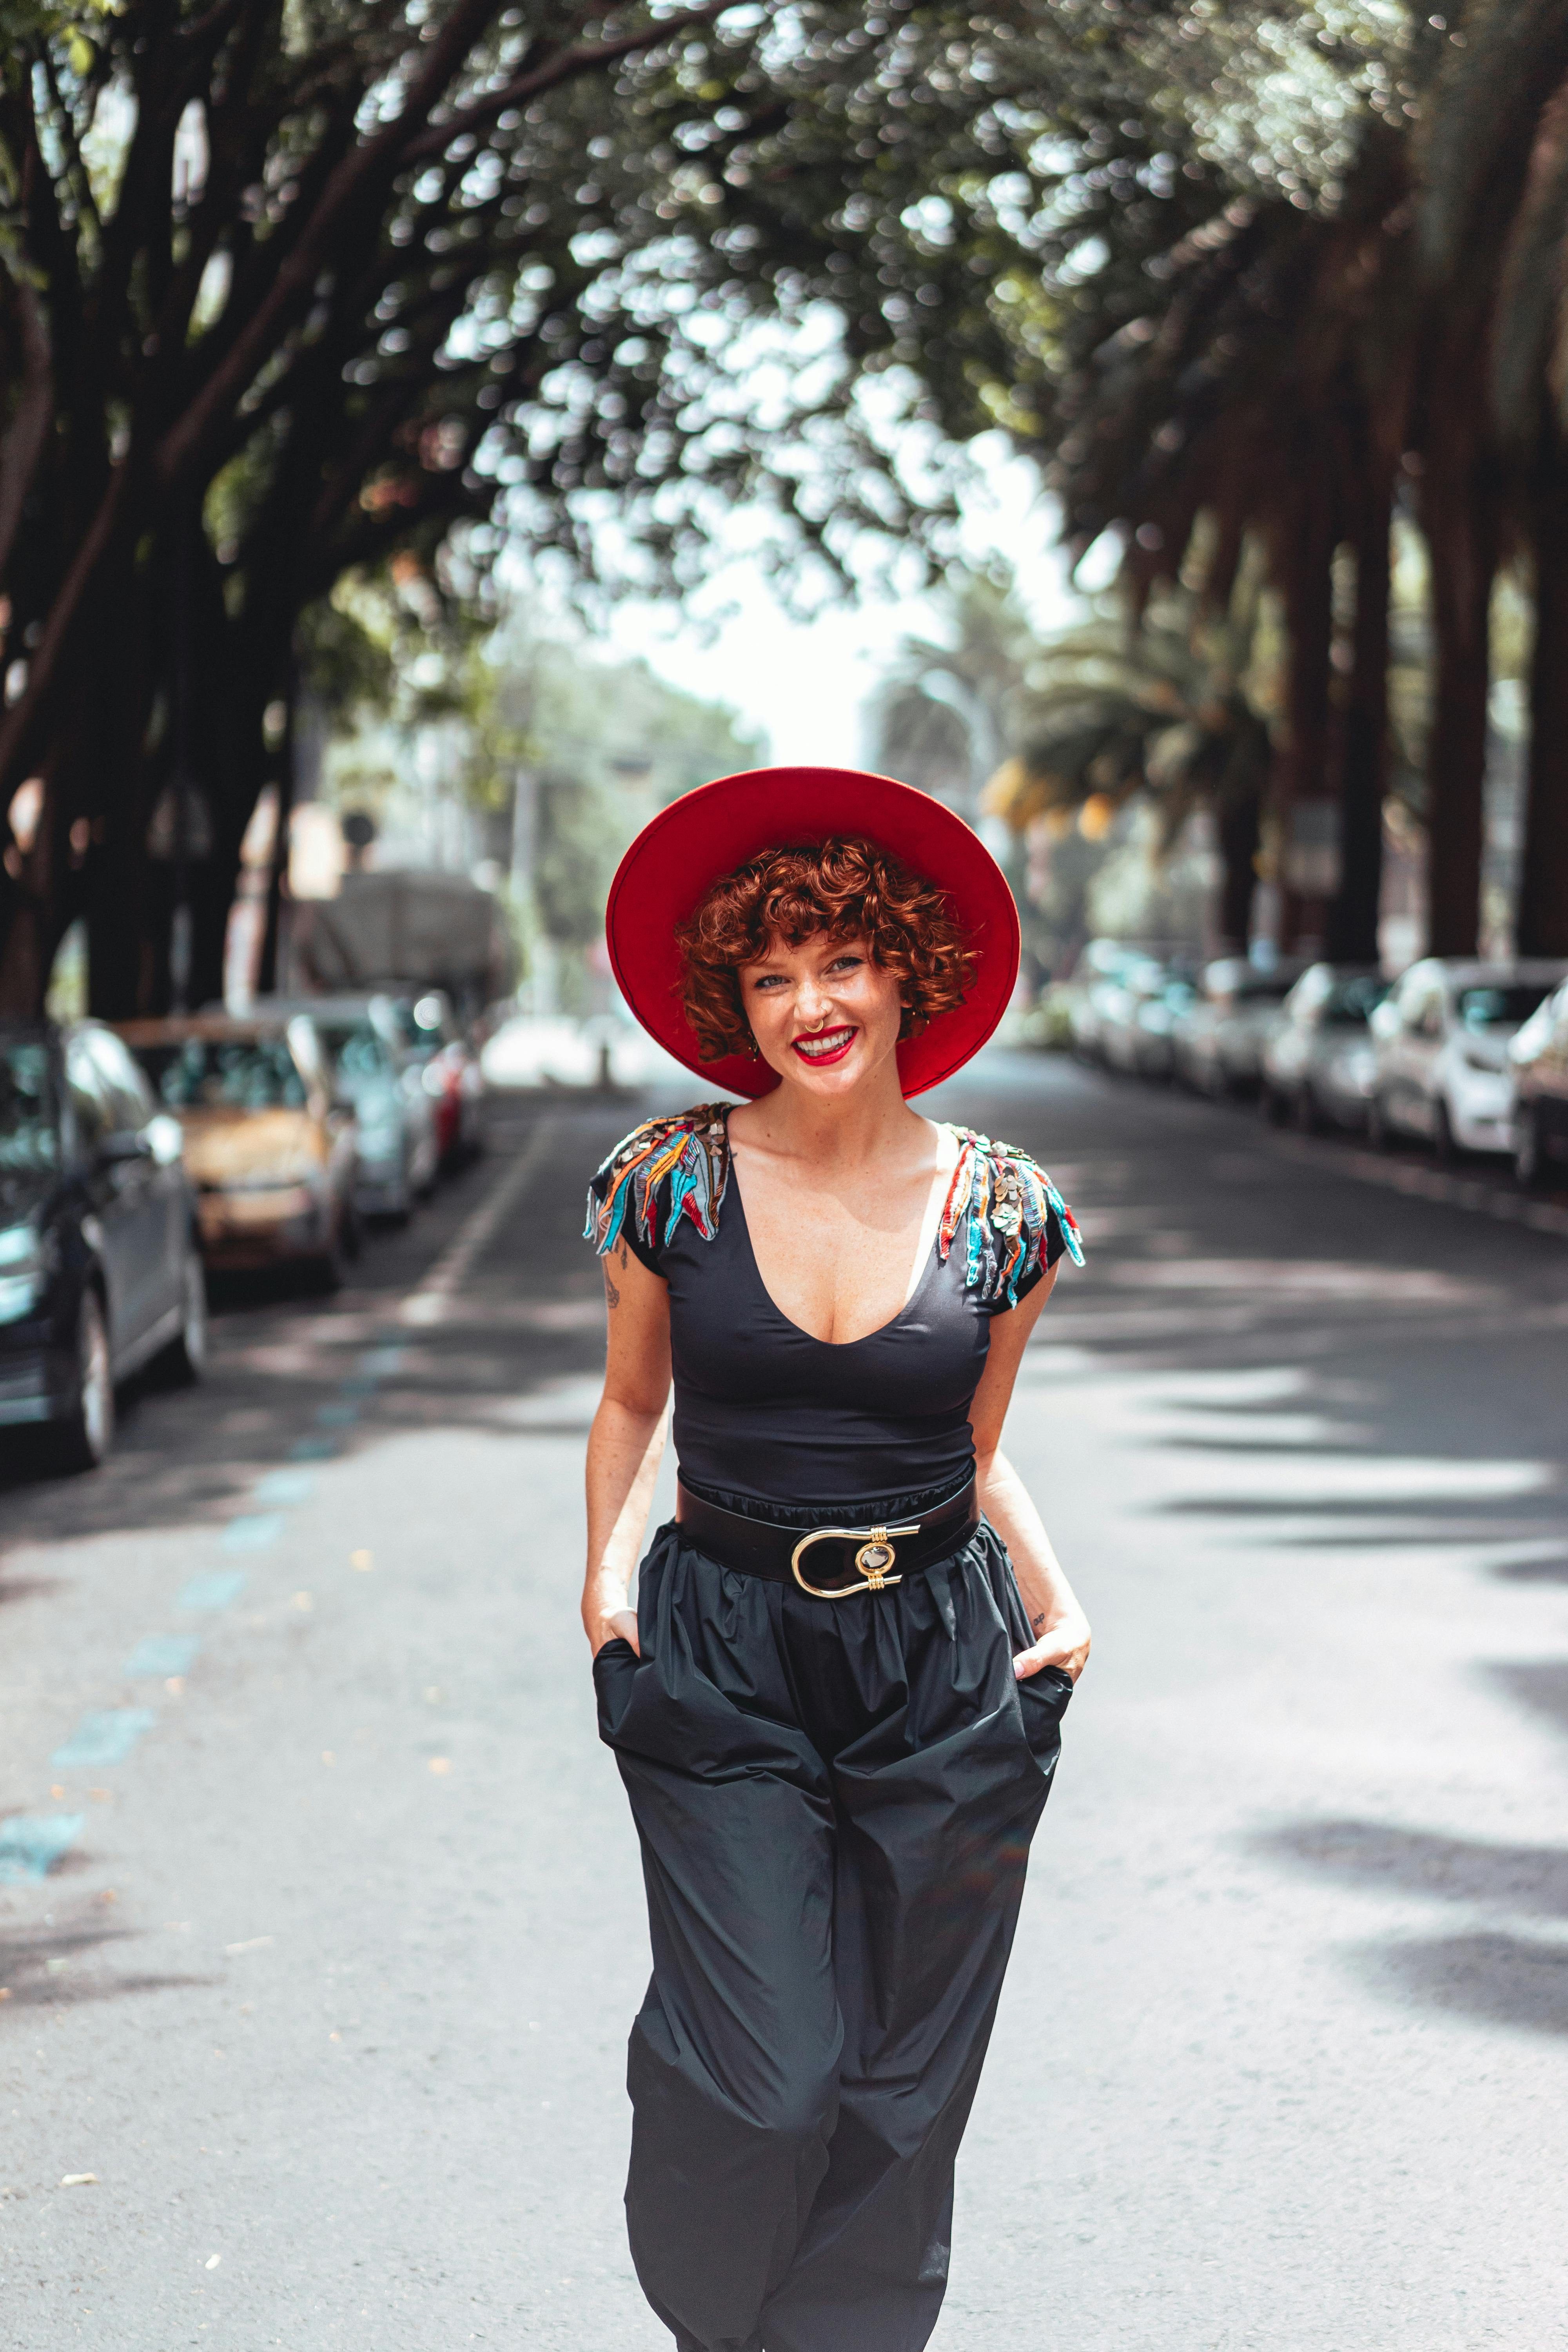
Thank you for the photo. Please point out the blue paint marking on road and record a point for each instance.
(379, 1364)
(285, 1487)
(31, 1845)
(338, 1416)
(105, 1736)
(162, 1654)
(215, 1590)
(252, 1533)
(313, 1449)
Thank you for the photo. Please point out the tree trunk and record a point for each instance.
(1460, 516)
(1302, 773)
(1352, 935)
(1543, 923)
(1238, 828)
(277, 878)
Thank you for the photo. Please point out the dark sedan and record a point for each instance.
(101, 1268)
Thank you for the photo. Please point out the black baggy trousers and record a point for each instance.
(835, 1801)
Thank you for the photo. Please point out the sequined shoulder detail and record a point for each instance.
(692, 1151)
(1009, 1201)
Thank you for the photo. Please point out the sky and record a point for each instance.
(805, 683)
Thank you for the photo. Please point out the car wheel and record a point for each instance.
(1308, 1114)
(1445, 1149)
(1529, 1155)
(186, 1356)
(1379, 1134)
(88, 1432)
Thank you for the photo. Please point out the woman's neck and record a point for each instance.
(847, 1130)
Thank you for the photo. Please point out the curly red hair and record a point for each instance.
(848, 888)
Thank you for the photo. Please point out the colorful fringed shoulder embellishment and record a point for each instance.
(1008, 1200)
(692, 1151)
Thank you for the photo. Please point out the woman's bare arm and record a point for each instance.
(625, 1442)
(1059, 1624)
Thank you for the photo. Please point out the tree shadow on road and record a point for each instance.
(1322, 1372)
(58, 1965)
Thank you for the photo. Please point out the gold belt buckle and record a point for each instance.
(874, 1558)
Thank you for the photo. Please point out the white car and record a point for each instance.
(1318, 1062)
(1218, 1043)
(1118, 1000)
(396, 1152)
(1101, 962)
(1441, 1042)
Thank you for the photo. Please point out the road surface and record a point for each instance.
(328, 1986)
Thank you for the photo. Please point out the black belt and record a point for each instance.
(756, 1548)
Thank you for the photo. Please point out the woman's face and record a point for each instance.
(824, 1015)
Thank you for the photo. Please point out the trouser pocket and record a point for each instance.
(615, 1674)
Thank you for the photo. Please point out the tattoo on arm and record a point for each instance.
(611, 1294)
(1038, 1622)
(625, 1253)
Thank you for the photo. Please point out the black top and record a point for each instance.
(766, 1414)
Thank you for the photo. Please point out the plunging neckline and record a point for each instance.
(929, 1260)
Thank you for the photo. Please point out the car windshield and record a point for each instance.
(355, 1049)
(1500, 1008)
(29, 1141)
(228, 1074)
(1263, 991)
(1351, 1004)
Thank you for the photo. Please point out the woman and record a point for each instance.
(836, 1706)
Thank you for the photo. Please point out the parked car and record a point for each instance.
(100, 1267)
(374, 1075)
(436, 1042)
(1538, 1057)
(1099, 962)
(1218, 1043)
(1442, 1039)
(269, 1154)
(1156, 1019)
(1318, 1061)
(1118, 998)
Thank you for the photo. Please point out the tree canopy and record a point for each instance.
(290, 286)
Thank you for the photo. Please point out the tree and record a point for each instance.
(945, 712)
(287, 288)
(1156, 703)
(1496, 228)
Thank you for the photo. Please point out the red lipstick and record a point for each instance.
(818, 1061)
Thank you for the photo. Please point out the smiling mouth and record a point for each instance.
(827, 1045)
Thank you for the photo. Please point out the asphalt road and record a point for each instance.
(330, 1988)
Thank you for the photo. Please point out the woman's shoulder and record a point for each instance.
(1017, 1221)
(666, 1169)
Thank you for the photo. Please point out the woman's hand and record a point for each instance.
(1064, 1645)
(618, 1625)
(607, 1611)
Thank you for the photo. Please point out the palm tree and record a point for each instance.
(1154, 703)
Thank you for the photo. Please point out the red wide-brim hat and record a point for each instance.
(708, 833)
